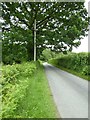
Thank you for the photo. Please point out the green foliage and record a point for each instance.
(47, 54)
(25, 92)
(16, 46)
(38, 101)
(86, 70)
(13, 87)
(58, 25)
(78, 62)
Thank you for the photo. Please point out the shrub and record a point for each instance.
(14, 84)
(78, 62)
(86, 70)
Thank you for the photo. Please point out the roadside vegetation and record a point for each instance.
(25, 92)
(31, 31)
(75, 63)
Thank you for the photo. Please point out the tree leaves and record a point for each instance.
(62, 21)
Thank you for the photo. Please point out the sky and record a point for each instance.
(84, 42)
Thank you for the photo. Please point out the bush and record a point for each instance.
(78, 62)
(86, 70)
(14, 84)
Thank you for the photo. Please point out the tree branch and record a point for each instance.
(47, 18)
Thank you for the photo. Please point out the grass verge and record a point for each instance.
(38, 101)
(72, 72)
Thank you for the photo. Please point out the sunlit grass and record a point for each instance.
(38, 101)
(26, 92)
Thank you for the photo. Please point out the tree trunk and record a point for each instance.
(30, 50)
(35, 40)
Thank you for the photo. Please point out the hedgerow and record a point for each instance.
(78, 62)
(13, 87)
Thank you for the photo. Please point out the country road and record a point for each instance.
(70, 92)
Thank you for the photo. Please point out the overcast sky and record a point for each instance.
(84, 42)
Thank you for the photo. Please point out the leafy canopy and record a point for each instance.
(60, 25)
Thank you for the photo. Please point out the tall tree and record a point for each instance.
(59, 25)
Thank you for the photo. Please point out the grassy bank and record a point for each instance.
(29, 95)
(72, 72)
(75, 63)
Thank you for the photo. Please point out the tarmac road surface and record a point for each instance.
(70, 92)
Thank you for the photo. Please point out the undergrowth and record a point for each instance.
(25, 92)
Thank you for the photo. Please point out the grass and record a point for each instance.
(72, 72)
(38, 101)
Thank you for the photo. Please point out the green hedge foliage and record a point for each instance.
(79, 62)
(14, 87)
